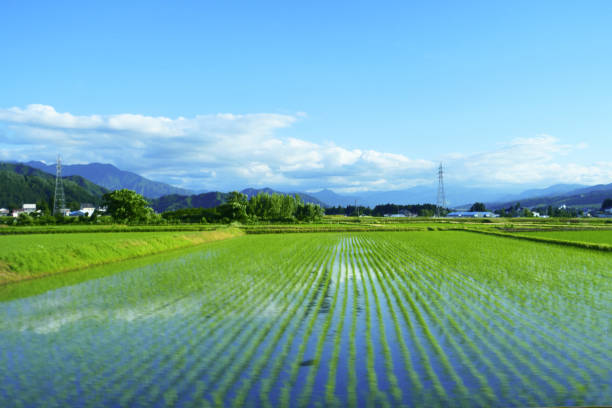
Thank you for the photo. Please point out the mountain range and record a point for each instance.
(36, 179)
(587, 197)
(110, 177)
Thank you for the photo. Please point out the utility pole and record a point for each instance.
(59, 200)
(441, 200)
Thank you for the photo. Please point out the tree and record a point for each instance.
(43, 206)
(236, 207)
(607, 203)
(25, 219)
(478, 207)
(126, 206)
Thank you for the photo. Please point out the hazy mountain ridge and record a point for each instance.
(112, 178)
(588, 197)
(424, 194)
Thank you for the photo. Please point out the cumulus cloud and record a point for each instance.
(226, 151)
(537, 160)
(204, 152)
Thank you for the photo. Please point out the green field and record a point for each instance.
(597, 237)
(423, 318)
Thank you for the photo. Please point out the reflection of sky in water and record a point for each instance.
(147, 330)
(127, 295)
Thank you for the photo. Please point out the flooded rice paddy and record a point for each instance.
(362, 319)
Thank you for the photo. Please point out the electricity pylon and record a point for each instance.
(59, 200)
(441, 201)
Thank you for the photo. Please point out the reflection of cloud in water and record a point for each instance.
(51, 323)
(271, 311)
(162, 308)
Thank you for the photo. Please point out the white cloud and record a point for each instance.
(204, 152)
(538, 160)
(226, 151)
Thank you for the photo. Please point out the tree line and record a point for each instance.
(421, 210)
(262, 207)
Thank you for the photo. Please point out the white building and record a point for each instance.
(88, 209)
(4, 212)
(472, 214)
(28, 208)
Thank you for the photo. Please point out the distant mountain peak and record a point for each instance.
(113, 178)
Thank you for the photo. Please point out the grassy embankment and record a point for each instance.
(30, 256)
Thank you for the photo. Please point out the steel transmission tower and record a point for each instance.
(59, 201)
(441, 201)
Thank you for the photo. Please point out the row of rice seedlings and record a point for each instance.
(438, 389)
(204, 326)
(415, 383)
(265, 355)
(552, 348)
(289, 383)
(468, 313)
(571, 278)
(466, 361)
(352, 366)
(375, 396)
(305, 396)
(396, 391)
(214, 331)
(281, 357)
(433, 342)
(229, 358)
(330, 387)
(564, 357)
(468, 310)
(72, 332)
(550, 337)
(233, 342)
(384, 267)
(420, 308)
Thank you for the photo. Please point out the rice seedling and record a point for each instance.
(423, 318)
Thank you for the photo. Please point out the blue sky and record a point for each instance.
(347, 95)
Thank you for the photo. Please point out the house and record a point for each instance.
(28, 208)
(395, 215)
(4, 212)
(472, 214)
(88, 209)
(608, 210)
(536, 214)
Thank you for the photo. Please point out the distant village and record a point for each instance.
(86, 210)
(516, 212)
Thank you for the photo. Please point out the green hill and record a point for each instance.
(21, 184)
(175, 202)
